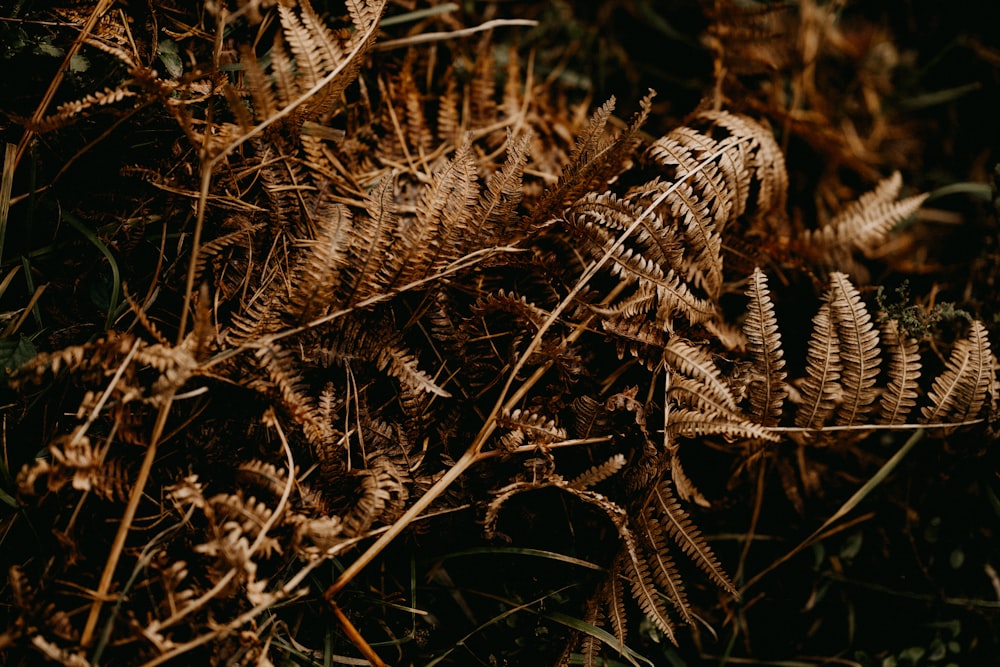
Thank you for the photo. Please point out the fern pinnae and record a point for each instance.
(696, 363)
(328, 49)
(614, 595)
(767, 389)
(304, 43)
(716, 185)
(598, 473)
(316, 275)
(864, 224)
(595, 159)
(371, 236)
(365, 14)
(444, 206)
(959, 393)
(687, 536)
(767, 160)
(695, 395)
(859, 350)
(496, 208)
(664, 569)
(821, 388)
(731, 425)
(645, 593)
(903, 370)
(703, 241)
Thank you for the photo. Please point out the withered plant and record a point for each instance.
(394, 264)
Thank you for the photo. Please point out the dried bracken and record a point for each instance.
(404, 273)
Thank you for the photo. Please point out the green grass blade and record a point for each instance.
(116, 277)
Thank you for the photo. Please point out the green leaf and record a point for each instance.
(46, 48)
(167, 52)
(78, 63)
(14, 352)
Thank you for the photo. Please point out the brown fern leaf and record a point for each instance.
(402, 365)
(374, 490)
(653, 238)
(645, 593)
(449, 124)
(672, 294)
(697, 396)
(365, 14)
(678, 525)
(537, 428)
(371, 236)
(316, 275)
(903, 369)
(590, 646)
(70, 111)
(590, 416)
(267, 101)
(285, 375)
(703, 240)
(319, 52)
(662, 565)
(765, 159)
(444, 209)
(864, 224)
(859, 350)
(639, 336)
(697, 423)
(615, 598)
(767, 389)
(959, 394)
(685, 153)
(821, 388)
(495, 219)
(481, 93)
(598, 473)
(594, 161)
(696, 363)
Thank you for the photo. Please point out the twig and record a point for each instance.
(427, 37)
(126, 524)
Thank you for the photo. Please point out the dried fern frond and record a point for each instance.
(537, 428)
(961, 391)
(697, 423)
(595, 160)
(696, 363)
(662, 565)
(427, 241)
(767, 389)
(403, 366)
(494, 218)
(598, 473)
(646, 594)
(865, 223)
(859, 350)
(317, 272)
(678, 525)
(821, 388)
(901, 393)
